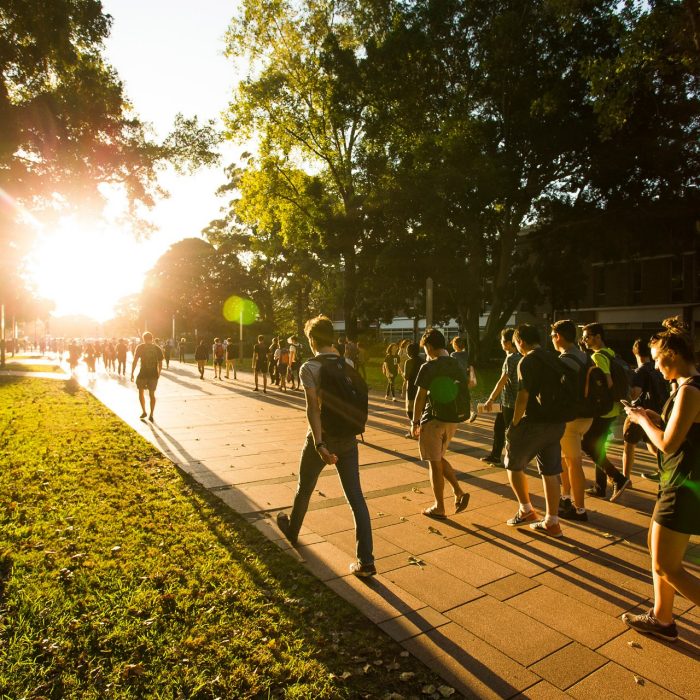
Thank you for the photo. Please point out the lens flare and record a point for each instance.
(240, 310)
(443, 389)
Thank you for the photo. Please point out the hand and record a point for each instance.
(327, 456)
(132, 377)
(635, 414)
(415, 430)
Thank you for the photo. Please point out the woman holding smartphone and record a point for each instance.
(676, 435)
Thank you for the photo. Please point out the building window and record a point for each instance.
(677, 278)
(636, 281)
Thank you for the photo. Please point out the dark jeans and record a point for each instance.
(500, 425)
(595, 445)
(390, 386)
(310, 468)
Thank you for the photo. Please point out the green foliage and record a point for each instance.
(121, 579)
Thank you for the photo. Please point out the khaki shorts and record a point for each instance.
(149, 383)
(434, 438)
(571, 440)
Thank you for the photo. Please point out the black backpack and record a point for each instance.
(594, 397)
(559, 401)
(344, 398)
(453, 386)
(620, 374)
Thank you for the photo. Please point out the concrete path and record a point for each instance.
(498, 612)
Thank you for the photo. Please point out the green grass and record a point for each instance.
(121, 578)
(28, 367)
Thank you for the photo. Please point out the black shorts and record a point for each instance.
(678, 508)
(260, 366)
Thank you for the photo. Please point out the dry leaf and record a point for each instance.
(634, 645)
(393, 667)
(367, 668)
(428, 689)
(320, 493)
(403, 520)
(434, 530)
(416, 562)
(407, 675)
(380, 514)
(446, 691)
(345, 675)
(638, 680)
(404, 654)
(415, 490)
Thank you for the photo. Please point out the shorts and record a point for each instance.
(218, 361)
(573, 435)
(678, 508)
(529, 439)
(434, 437)
(149, 383)
(260, 367)
(633, 433)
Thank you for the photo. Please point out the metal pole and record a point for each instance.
(429, 303)
(240, 335)
(173, 336)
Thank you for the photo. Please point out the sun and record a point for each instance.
(85, 270)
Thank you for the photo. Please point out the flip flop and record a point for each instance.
(430, 513)
(461, 503)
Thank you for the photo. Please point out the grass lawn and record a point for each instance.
(121, 578)
(28, 367)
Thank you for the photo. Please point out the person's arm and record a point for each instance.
(520, 406)
(133, 364)
(500, 385)
(685, 412)
(472, 377)
(418, 406)
(252, 361)
(313, 416)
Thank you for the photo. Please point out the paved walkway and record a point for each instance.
(498, 612)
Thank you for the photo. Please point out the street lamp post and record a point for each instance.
(429, 303)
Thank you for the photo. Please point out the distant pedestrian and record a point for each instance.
(201, 356)
(441, 403)
(336, 408)
(459, 346)
(676, 435)
(507, 388)
(390, 369)
(361, 363)
(121, 351)
(294, 362)
(272, 359)
(282, 358)
(181, 349)
(168, 351)
(410, 372)
(260, 363)
(230, 358)
(90, 355)
(403, 356)
(218, 352)
(151, 358)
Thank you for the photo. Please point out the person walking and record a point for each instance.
(507, 387)
(260, 363)
(535, 431)
(410, 373)
(230, 358)
(218, 352)
(181, 349)
(361, 364)
(201, 356)
(294, 362)
(121, 351)
(390, 368)
(151, 358)
(282, 358)
(459, 347)
(272, 357)
(676, 435)
(595, 441)
(441, 382)
(323, 447)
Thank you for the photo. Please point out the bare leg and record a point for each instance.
(667, 552)
(437, 482)
(152, 400)
(551, 493)
(565, 481)
(518, 482)
(628, 450)
(449, 473)
(142, 401)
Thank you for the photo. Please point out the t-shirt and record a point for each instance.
(581, 356)
(653, 386)
(602, 360)
(410, 371)
(151, 356)
(201, 353)
(510, 390)
(391, 362)
(121, 351)
(437, 378)
(230, 351)
(537, 379)
(260, 353)
(462, 356)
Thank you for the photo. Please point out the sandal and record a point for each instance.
(431, 513)
(461, 503)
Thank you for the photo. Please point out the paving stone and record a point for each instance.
(377, 598)
(433, 586)
(325, 560)
(512, 556)
(413, 623)
(347, 542)
(569, 616)
(508, 587)
(328, 520)
(413, 539)
(541, 691)
(519, 636)
(252, 499)
(395, 561)
(474, 668)
(404, 505)
(466, 565)
(613, 682)
(568, 665)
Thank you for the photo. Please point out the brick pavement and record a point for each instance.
(498, 612)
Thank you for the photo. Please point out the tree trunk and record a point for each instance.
(350, 291)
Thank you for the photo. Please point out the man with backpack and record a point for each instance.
(545, 402)
(218, 352)
(595, 441)
(336, 411)
(590, 377)
(648, 390)
(441, 403)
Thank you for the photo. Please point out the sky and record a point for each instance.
(169, 55)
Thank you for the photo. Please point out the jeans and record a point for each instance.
(595, 445)
(390, 386)
(503, 420)
(310, 468)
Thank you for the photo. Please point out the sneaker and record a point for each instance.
(596, 492)
(523, 518)
(566, 505)
(490, 459)
(618, 488)
(551, 530)
(651, 476)
(283, 525)
(472, 417)
(648, 624)
(363, 570)
(573, 514)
